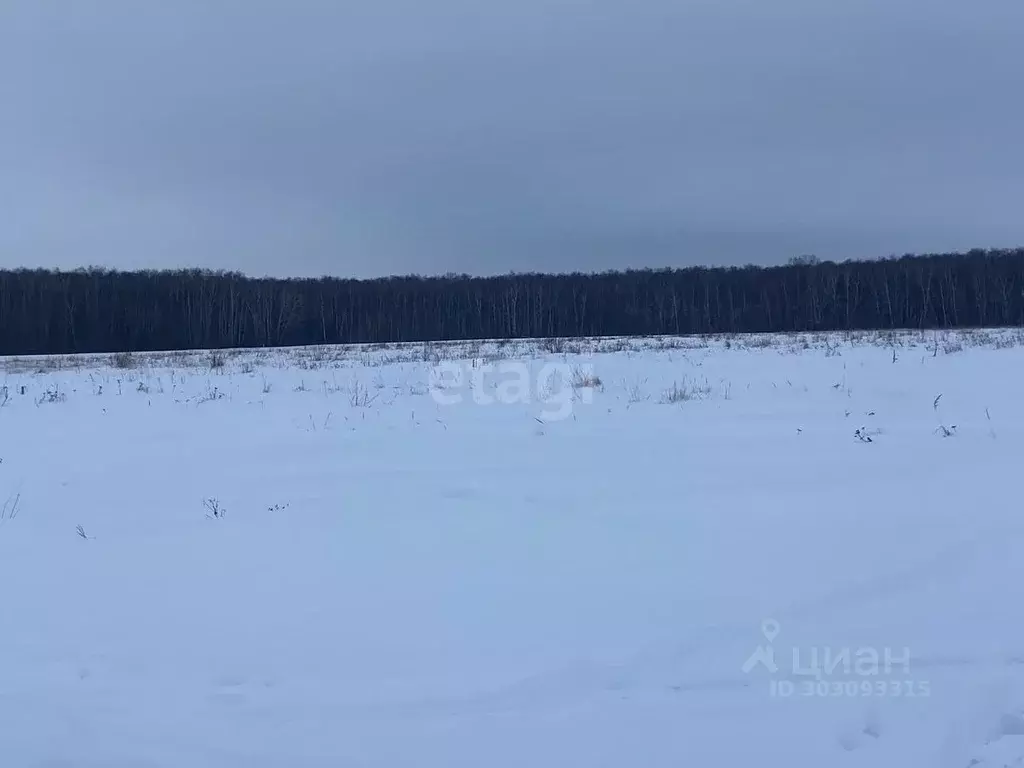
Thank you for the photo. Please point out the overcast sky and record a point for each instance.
(310, 137)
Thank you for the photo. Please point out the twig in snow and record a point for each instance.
(10, 509)
(862, 435)
(213, 509)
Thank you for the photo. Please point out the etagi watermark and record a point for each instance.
(834, 672)
(557, 386)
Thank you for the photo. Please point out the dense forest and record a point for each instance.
(97, 310)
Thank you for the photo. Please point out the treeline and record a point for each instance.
(97, 310)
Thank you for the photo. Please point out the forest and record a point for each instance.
(101, 310)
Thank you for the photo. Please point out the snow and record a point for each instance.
(406, 574)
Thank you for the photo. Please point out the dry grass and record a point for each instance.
(584, 378)
(366, 355)
(686, 390)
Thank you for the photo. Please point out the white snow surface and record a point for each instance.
(400, 579)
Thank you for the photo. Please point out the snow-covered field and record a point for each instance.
(564, 560)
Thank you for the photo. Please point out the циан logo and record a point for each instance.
(828, 671)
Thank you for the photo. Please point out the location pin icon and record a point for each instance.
(770, 629)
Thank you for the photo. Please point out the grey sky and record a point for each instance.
(313, 137)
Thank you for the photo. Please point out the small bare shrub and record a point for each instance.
(123, 360)
(52, 395)
(686, 390)
(332, 387)
(214, 510)
(359, 395)
(556, 346)
(582, 378)
(210, 395)
(636, 394)
(431, 353)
